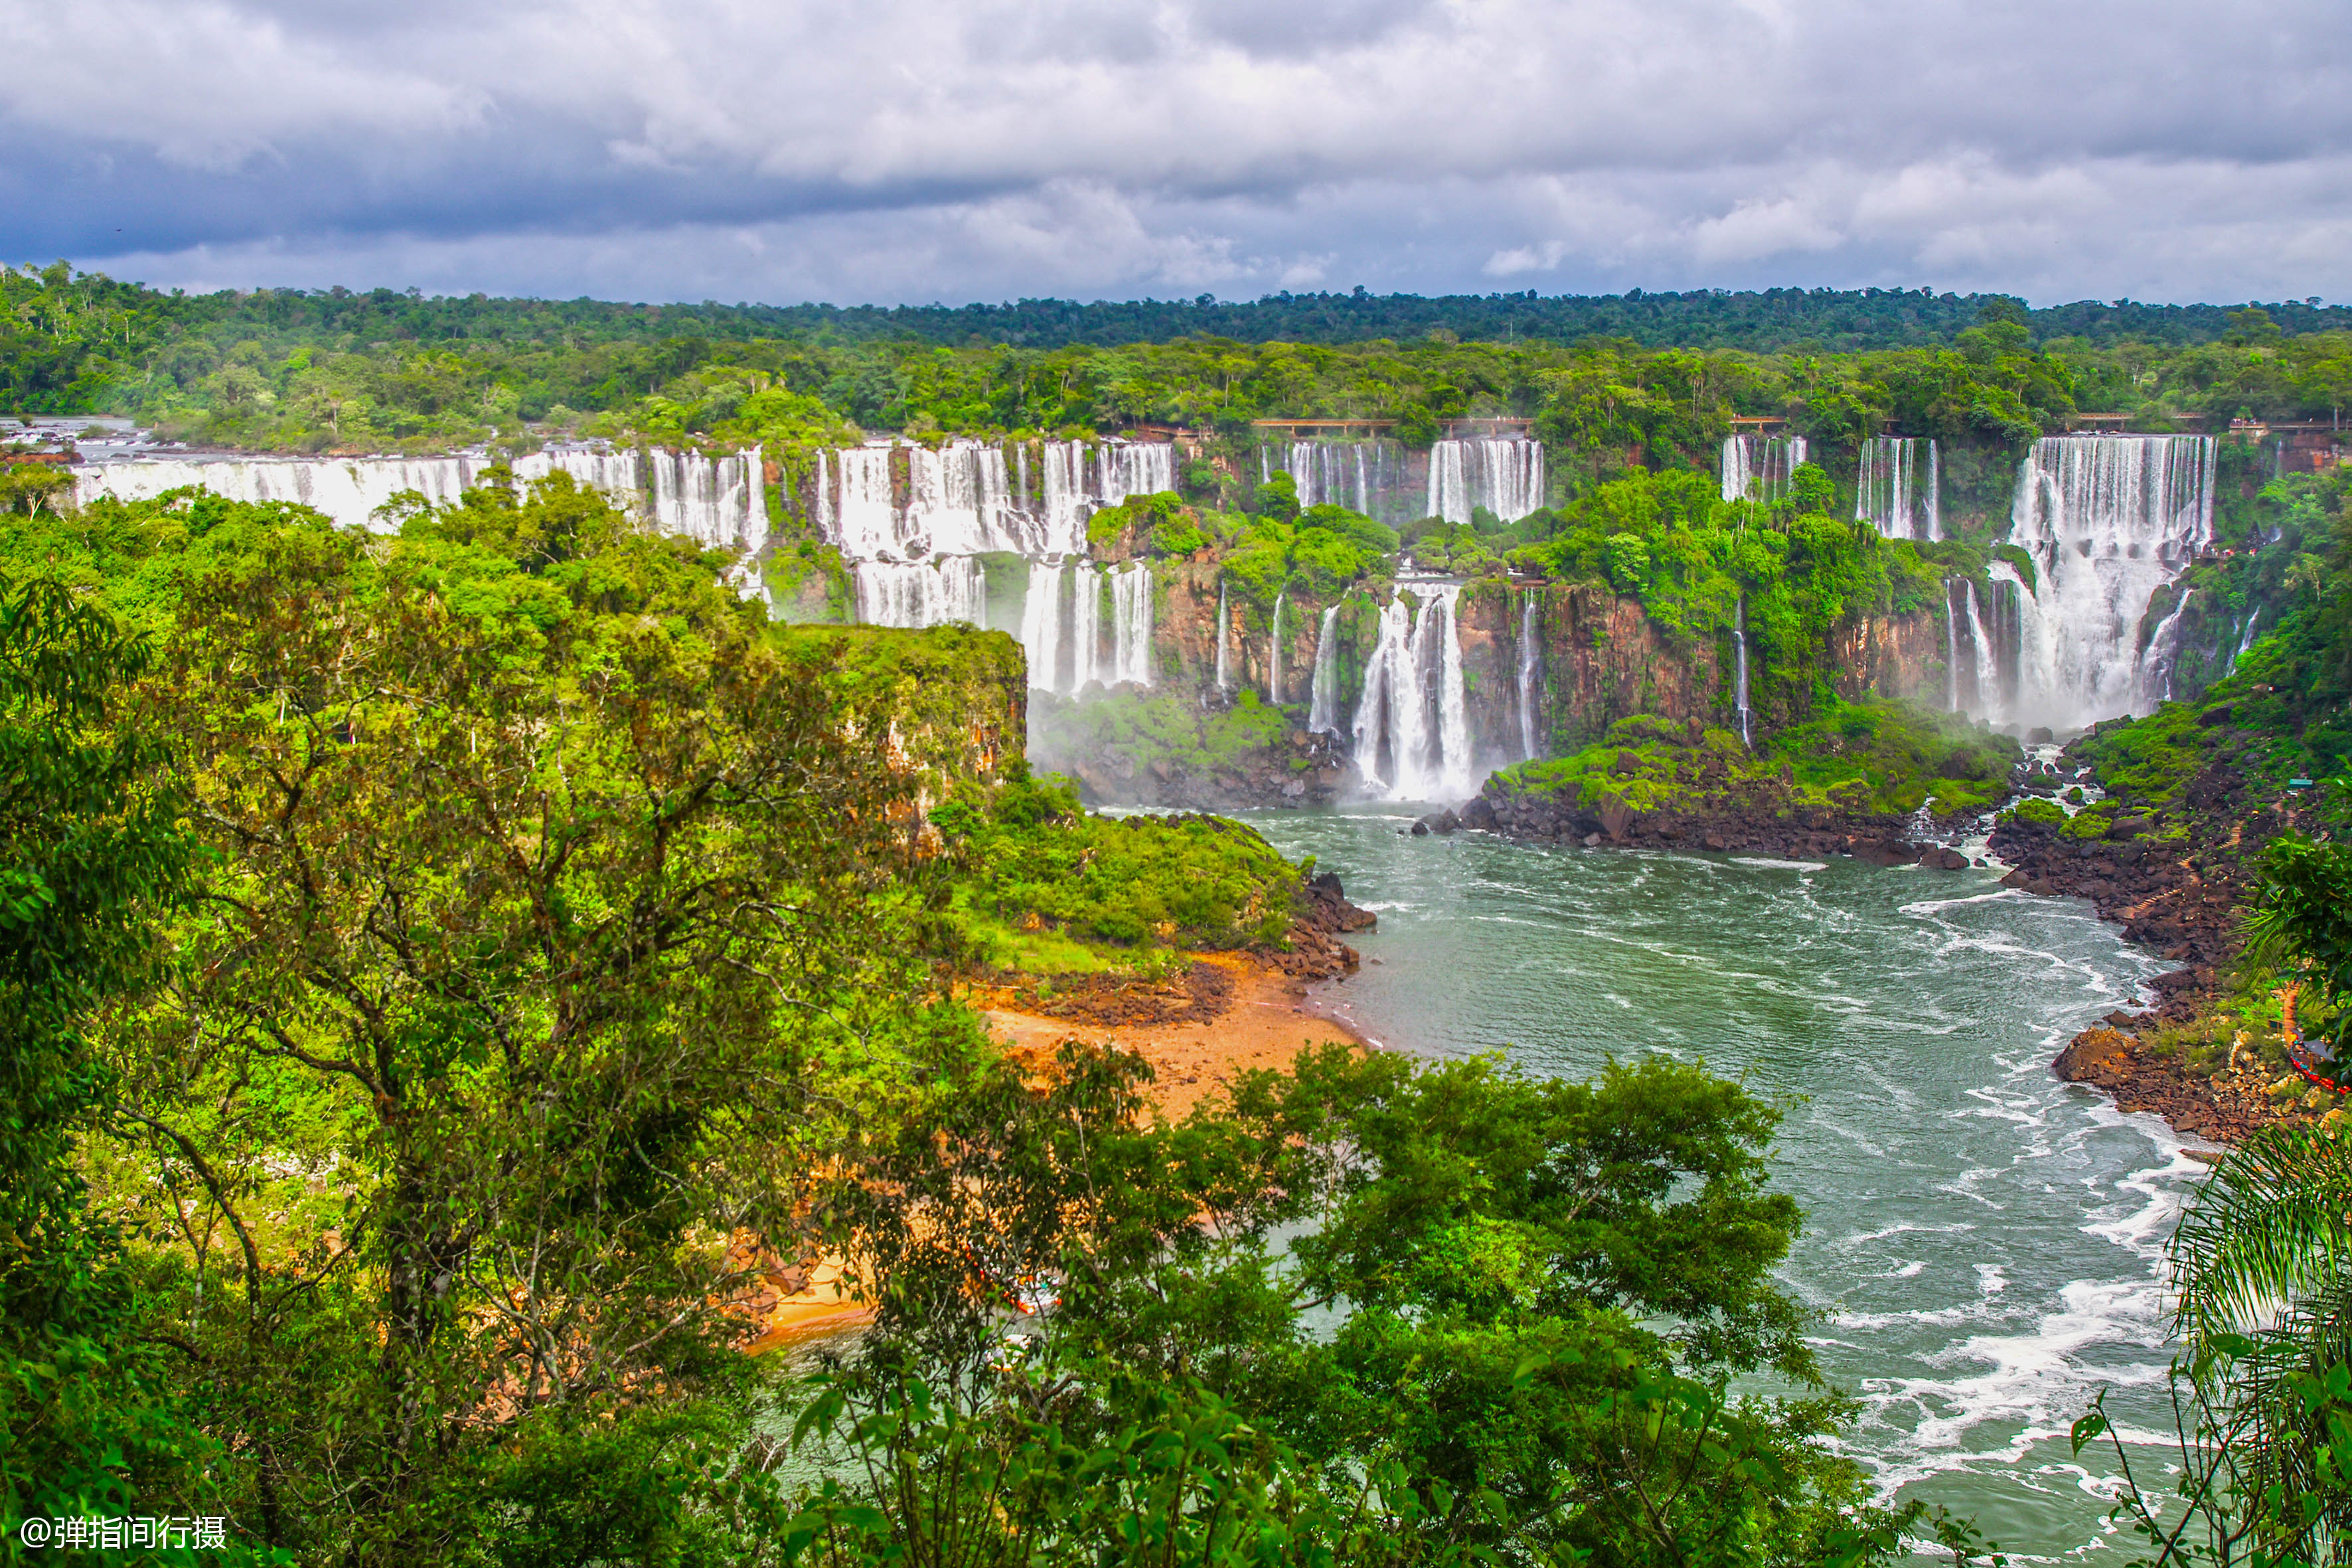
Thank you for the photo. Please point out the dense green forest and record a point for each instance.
(1651, 377)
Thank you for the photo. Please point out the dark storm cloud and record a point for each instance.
(909, 148)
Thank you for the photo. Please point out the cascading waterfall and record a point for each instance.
(1897, 490)
(1415, 667)
(864, 513)
(1951, 653)
(2163, 655)
(1323, 696)
(715, 501)
(1274, 655)
(1224, 641)
(1362, 476)
(2108, 521)
(2253, 620)
(1085, 626)
(1528, 655)
(1041, 623)
(920, 594)
(1739, 679)
(1985, 671)
(1130, 623)
(1502, 473)
(1760, 467)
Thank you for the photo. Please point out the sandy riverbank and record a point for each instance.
(1262, 1020)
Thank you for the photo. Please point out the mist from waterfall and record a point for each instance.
(1505, 474)
(1760, 468)
(1898, 489)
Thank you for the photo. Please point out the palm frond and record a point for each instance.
(2268, 1237)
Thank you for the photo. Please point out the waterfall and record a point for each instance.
(922, 594)
(1527, 653)
(1130, 626)
(1760, 468)
(2108, 520)
(1739, 687)
(346, 490)
(1362, 476)
(1451, 765)
(1503, 474)
(1021, 472)
(1323, 697)
(1225, 639)
(2163, 654)
(1041, 624)
(1951, 653)
(1085, 626)
(1273, 655)
(1985, 671)
(865, 515)
(717, 501)
(1888, 491)
(1416, 665)
(2253, 619)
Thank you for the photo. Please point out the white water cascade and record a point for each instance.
(1224, 641)
(1414, 706)
(1951, 653)
(1323, 696)
(1760, 468)
(1985, 668)
(920, 594)
(1085, 626)
(1130, 624)
(2163, 654)
(2108, 520)
(1274, 655)
(714, 500)
(1898, 489)
(1041, 624)
(1528, 657)
(1362, 476)
(1739, 678)
(1502, 473)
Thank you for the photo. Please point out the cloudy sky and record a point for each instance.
(955, 149)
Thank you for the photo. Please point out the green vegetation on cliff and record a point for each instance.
(1874, 757)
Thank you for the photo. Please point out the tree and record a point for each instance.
(536, 940)
(91, 857)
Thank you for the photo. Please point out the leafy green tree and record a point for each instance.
(94, 857)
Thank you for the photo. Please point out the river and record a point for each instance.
(1984, 1242)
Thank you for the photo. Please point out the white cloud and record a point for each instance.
(913, 148)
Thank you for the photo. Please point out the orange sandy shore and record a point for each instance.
(1264, 1026)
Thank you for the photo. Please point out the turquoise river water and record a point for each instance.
(1984, 1242)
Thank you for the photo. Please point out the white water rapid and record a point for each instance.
(1503, 474)
(1411, 724)
(2108, 520)
(1323, 696)
(1759, 467)
(1896, 489)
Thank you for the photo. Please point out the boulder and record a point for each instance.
(2096, 1056)
(1479, 815)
